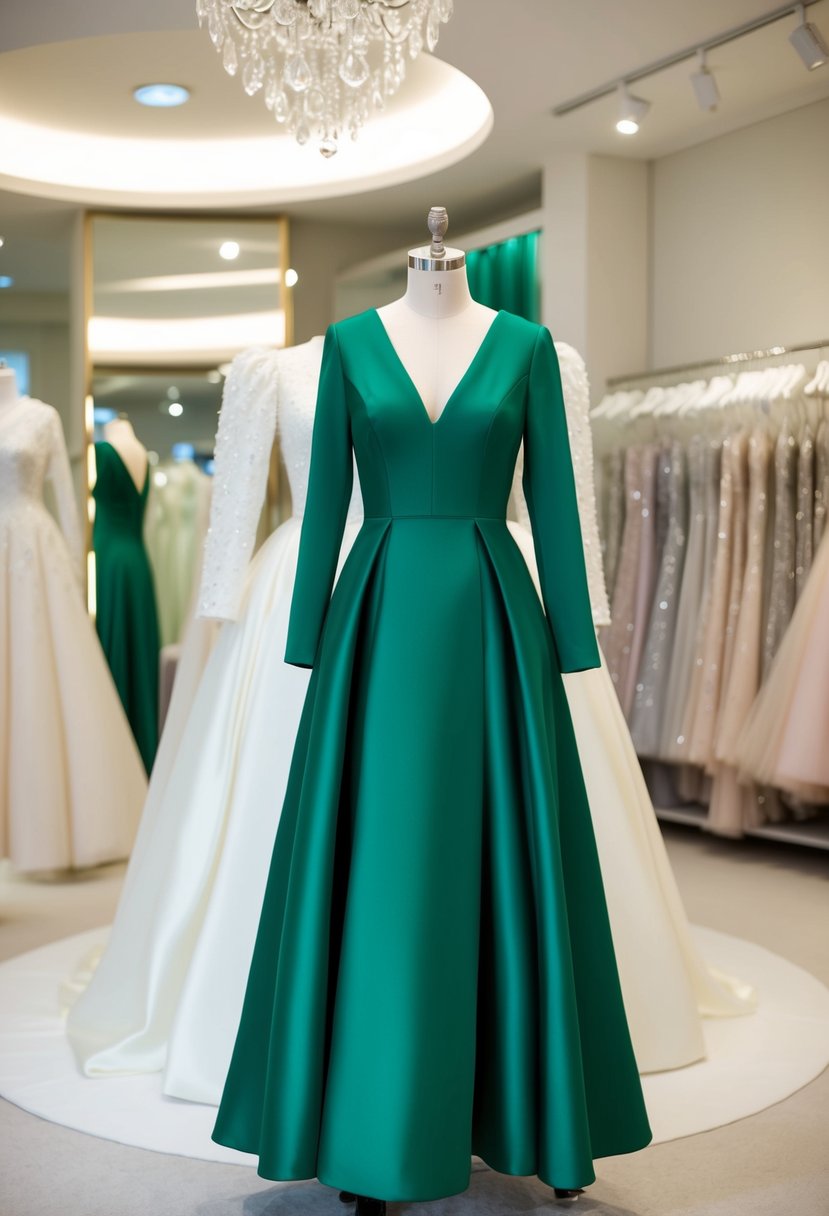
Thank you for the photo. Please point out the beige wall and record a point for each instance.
(319, 252)
(739, 238)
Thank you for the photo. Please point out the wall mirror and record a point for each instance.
(169, 301)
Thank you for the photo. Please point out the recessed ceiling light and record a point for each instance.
(631, 111)
(2, 242)
(291, 278)
(6, 280)
(175, 409)
(161, 96)
(229, 250)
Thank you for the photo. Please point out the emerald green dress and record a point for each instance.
(126, 610)
(433, 975)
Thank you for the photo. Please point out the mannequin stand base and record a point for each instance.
(365, 1206)
(564, 1196)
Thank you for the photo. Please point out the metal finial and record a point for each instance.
(438, 224)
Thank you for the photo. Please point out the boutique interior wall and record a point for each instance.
(716, 249)
(738, 240)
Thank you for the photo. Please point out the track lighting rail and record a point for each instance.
(690, 52)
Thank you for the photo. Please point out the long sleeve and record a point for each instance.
(329, 491)
(60, 478)
(550, 490)
(247, 424)
(576, 391)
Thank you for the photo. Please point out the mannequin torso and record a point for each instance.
(9, 395)
(122, 437)
(436, 329)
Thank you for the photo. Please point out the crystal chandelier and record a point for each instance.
(323, 65)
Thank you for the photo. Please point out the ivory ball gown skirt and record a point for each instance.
(167, 991)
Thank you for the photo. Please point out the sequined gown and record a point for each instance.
(734, 803)
(71, 779)
(624, 638)
(687, 613)
(167, 992)
(651, 692)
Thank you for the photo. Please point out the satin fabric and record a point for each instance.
(127, 620)
(433, 974)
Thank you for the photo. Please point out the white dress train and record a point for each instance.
(167, 992)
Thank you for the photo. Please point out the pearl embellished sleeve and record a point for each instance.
(247, 425)
(577, 408)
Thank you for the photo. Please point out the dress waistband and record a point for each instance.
(498, 519)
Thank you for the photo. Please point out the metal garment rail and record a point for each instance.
(749, 356)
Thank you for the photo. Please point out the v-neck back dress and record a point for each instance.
(126, 610)
(433, 974)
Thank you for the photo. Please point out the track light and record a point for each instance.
(808, 41)
(705, 85)
(631, 111)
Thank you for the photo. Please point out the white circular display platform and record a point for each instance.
(753, 1061)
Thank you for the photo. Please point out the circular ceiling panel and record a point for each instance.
(70, 129)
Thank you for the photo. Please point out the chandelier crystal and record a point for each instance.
(322, 65)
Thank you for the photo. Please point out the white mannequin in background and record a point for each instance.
(8, 388)
(436, 328)
(122, 437)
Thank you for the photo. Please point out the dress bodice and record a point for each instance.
(457, 468)
(266, 391)
(119, 504)
(32, 451)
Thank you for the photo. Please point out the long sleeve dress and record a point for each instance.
(434, 973)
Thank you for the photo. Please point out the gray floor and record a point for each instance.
(774, 1164)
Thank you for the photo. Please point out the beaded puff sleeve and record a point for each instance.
(247, 425)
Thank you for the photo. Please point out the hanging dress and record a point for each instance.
(433, 973)
(126, 609)
(648, 712)
(71, 780)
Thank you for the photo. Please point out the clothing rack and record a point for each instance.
(720, 361)
(813, 832)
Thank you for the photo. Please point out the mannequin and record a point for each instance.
(436, 328)
(9, 395)
(120, 435)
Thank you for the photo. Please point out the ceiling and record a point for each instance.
(544, 53)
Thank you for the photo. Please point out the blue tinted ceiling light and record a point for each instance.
(6, 280)
(161, 96)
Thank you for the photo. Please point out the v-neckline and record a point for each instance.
(435, 422)
(129, 475)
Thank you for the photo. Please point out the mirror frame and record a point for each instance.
(282, 229)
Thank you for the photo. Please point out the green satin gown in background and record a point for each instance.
(433, 975)
(126, 612)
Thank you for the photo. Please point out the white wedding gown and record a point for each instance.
(72, 783)
(168, 991)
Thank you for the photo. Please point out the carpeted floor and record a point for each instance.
(773, 1164)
